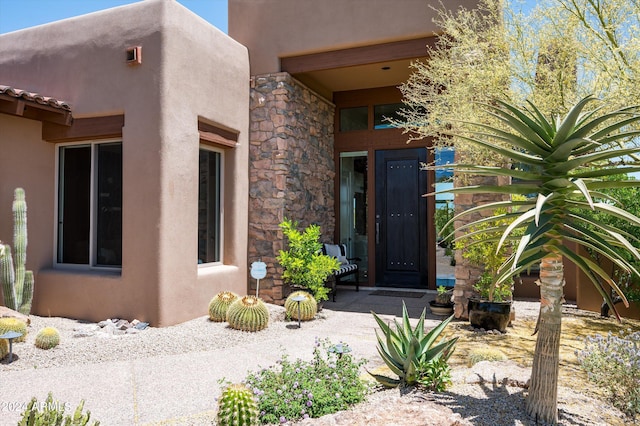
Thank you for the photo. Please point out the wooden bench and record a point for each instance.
(347, 267)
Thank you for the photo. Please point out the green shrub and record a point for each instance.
(629, 197)
(303, 263)
(444, 226)
(613, 363)
(52, 413)
(410, 353)
(301, 389)
(487, 290)
(479, 246)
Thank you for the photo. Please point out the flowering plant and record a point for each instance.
(613, 362)
(298, 389)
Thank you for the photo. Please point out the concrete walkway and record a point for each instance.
(179, 389)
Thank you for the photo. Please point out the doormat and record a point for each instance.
(413, 294)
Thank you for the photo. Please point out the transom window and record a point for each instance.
(354, 119)
(357, 118)
(90, 204)
(382, 114)
(210, 205)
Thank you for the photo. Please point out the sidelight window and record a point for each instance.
(210, 206)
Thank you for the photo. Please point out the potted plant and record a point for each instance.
(491, 309)
(442, 304)
(304, 265)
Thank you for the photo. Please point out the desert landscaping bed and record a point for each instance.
(488, 393)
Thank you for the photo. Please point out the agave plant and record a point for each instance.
(406, 350)
(567, 161)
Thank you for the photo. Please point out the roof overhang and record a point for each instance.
(363, 67)
(34, 106)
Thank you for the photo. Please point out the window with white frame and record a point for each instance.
(210, 205)
(90, 204)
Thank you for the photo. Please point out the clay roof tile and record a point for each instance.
(34, 97)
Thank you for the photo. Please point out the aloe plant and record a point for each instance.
(567, 161)
(406, 350)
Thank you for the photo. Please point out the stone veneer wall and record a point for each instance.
(291, 170)
(467, 274)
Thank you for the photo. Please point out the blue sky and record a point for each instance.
(19, 14)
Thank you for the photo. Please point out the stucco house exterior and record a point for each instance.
(155, 143)
(347, 169)
(159, 155)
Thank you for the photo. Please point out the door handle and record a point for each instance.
(377, 232)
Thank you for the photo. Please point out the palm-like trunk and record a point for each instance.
(542, 403)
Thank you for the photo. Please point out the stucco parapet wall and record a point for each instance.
(274, 30)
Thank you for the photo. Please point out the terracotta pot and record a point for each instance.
(441, 309)
(489, 315)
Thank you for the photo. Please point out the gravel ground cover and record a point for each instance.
(486, 394)
(195, 335)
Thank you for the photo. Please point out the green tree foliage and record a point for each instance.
(560, 52)
(629, 199)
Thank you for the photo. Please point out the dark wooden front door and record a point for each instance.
(401, 218)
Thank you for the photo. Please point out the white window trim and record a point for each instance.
(206, 147)
(92, 237)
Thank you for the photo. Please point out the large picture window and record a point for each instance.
(209, 206)
(90, 204)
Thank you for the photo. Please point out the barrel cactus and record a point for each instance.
(17, 282)
(308, 307)
(237, 407)
(14, 324)
(248, 313)
(4, 348)
(219, 305)
(47, 338)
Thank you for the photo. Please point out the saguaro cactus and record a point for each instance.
(17, 283)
